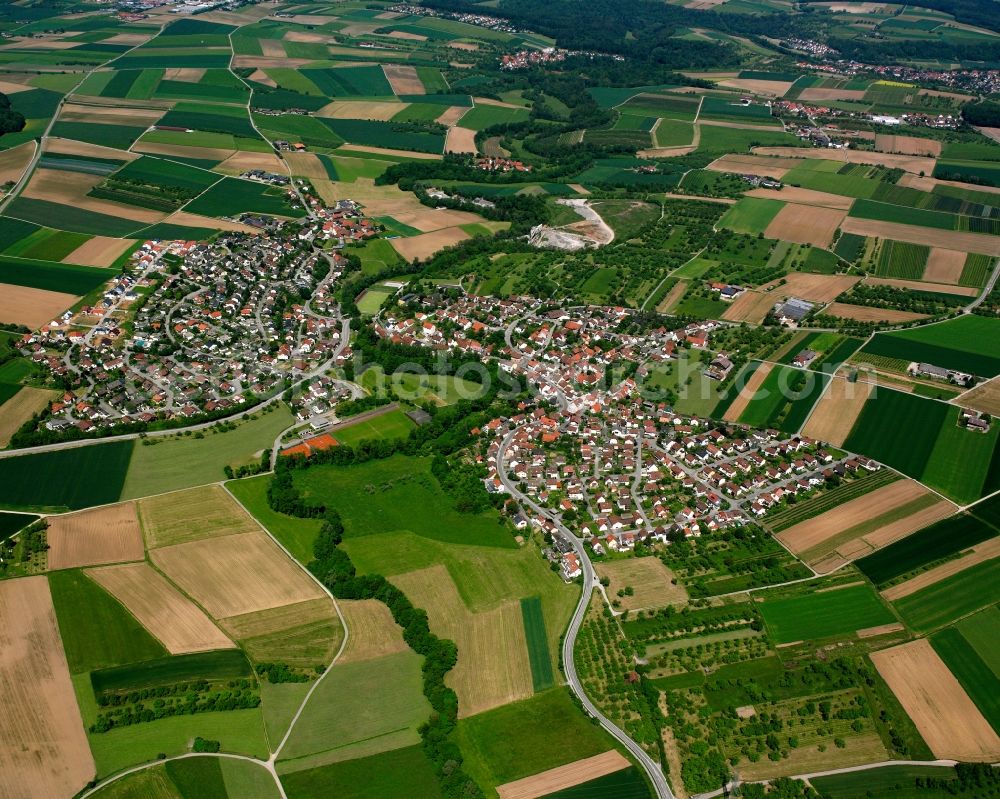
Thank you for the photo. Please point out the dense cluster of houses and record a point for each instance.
(482, 20)
(191, 329)
(492, 164)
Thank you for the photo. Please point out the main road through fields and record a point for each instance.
(650, 766)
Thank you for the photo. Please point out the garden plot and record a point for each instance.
(108, 534)
(180, 625)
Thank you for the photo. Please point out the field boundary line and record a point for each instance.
(340, 614)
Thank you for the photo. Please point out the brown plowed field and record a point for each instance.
(562, 777)
(452, 115)
(820, 95)
(794, 194)
(816, 288)
(907, 145)
(70, 188)
(426, 244)
(984, 397)
(673, 296)
(43, 747)
(746, 394)
(182, 151)
(372, 630)
(775, 88)
(242, 161)
(387, 151)
(919, 285)
(98, 251)
(307, 165)
(946, 718)
(751, 306)
(932, 237)
(180, 625)
(980, 553)
(236, 574)
(754, 165)
(183, 516)
(834, 416)
(14, 160)
(22, 406)
(882, 629)
(460, 140)
(805, 224)
(195, 220)
(403, 79)
(863, 313)
(110, 115)
(368, 109)
(92, 537)
(909, 163)
(20, 305)
(944, 266)
(493, 667)
(270, 48)
(263, 62)
(184, 74)
(818, 529)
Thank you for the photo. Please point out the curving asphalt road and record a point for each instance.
(650, 766)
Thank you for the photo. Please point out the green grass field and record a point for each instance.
(399, 772)
(784, 399)
(976, 677)
(97, 631)
(982, 631)
(933, 543)
(628, 783)
(297, 535)
(51, 276)
(952, 598)
(534, 732)
(189, 461)
(39, 480)
(538, 645)
(965, 343)
(373, 298)
(825, 614)
(398, 494)
(341, 722)
(751, 215)
(485, 116)
(392, 425)
(895, 781)
(220, 664)
(230, 197)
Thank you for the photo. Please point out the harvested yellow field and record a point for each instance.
(240, 162)
(649, 579)
(14, 161)
(109, 534)
(980, 553)
(22, 406)
(73, 147)
(260, 76)
(21, 305)
(180, 625)
(379, 111)
(907, 145)
(182, 151)
(806, 224)
(236, 574)
(403, 79)
(264, 62)
(673, 296)
(98, 251)
(563, 777)
(821, 95)
(816, 288)
(746, 393)
(497, 103)
(493, 667)
(43, 747)
(415, 37)
(774, 88)
(426, 244)
(372, 630)
(302, 634)
(196, 220)
(70, 188)
(387, 151)
(460, 140)
(984, 397)
(944, 715)
(191, 515)
(270, 48)
(307, 165)
(944, 266)
(751, 306)
(836, 412)
(863, 313)
(130, 39)
(308, 37)
(919, 285)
